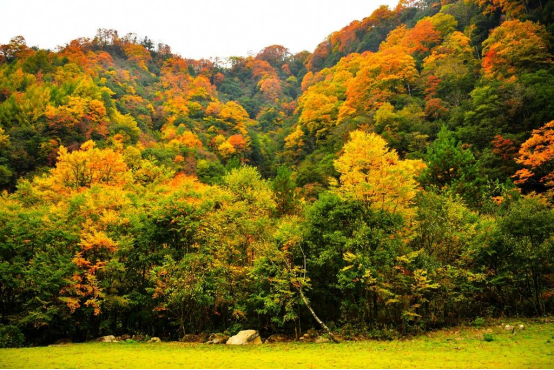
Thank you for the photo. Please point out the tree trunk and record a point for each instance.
(317, 318)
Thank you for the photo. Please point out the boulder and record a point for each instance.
(509, 328)
(190, 338)
(196, 338)
(277, 338)
(138, 337)
(125, 337)
(321, 340)
(310, 336)
(217, 338)
(246, 337)
(307, 338)
(521, 327)
(106, 339)
(154, 340)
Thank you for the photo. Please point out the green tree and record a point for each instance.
(452, 168)
(284, 188)
(527, 246)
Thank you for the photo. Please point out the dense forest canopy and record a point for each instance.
(399, 178)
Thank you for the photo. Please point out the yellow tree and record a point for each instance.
(90, 185)
(235, 116)
(514, 47)
(100, 211)
(4, 139)
(319, 112)
(454, 57)
(89, 166)
(325, 93)
(383, 76)
(226, 149)
(294, 142)
(375, 175)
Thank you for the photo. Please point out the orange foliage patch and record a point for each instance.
(537, 154)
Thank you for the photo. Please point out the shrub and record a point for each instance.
(11, 336)
(478, 322)
(488, 337)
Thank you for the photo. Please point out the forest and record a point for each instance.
(397, 179)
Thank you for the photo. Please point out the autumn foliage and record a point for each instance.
(515, 46)
(375, 175)
(87, 167)
(398, 178)
(537, 155)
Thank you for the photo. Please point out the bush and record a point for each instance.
(488, 337)
(478, 322)
(11, 336)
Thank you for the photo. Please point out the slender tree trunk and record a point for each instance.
(299, 322)
(536, 286)
(375, 309)
(317, 318)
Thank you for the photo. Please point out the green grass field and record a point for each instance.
(463, 348)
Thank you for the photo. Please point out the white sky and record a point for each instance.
(194, 29)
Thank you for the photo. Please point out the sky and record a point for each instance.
(194, 29)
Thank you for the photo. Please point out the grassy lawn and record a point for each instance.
(463, 348)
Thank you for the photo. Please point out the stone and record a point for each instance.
(106, 339)
(196, 338)
(322, 340)
(521, 327)
(63, 341)
(125, 337)
(217, 338)
(245, 337)
(190, 338)
(154, 340)
(138, 337)
(509, 328)
(277, 338)
(308, 337)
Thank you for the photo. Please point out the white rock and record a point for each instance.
(246, 337)
(106, 339)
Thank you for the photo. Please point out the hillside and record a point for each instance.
(397, 179)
